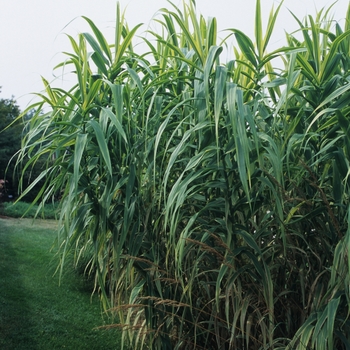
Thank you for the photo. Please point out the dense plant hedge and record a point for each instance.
(213, 198)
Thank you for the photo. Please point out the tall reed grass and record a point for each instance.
(212, 197)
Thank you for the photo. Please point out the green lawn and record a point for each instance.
(35, 312)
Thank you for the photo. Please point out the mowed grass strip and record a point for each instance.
(35, 311)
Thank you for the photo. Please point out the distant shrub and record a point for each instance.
(26, 210)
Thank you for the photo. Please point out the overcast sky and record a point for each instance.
(32, 32)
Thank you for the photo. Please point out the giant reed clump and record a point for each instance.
(214, 197)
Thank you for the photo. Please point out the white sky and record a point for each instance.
(32, 32)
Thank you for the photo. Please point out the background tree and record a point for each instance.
(10, 141)
(12, 131)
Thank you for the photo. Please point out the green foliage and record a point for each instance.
(26, 210)
(11, 132)
(10, 141)
(212, 198)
